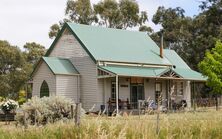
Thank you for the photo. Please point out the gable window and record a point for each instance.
(44, 90)
(113, 90)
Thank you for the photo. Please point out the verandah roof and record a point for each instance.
(153, 72)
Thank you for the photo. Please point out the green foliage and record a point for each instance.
(54, 29)
(21, 100)
(13, 69)
(123, 15)
(177, 30)
(190, 37)
(16, 66)
(110, 13)
(22, 97)
(45, 110)
(80, 11)
(147, 29)
(211, 67)
(33, 52)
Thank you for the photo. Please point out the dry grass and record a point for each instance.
(203, 125)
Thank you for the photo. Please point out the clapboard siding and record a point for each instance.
(149, 89)
(124, 92)
(88, 81)
(44, 73)
(69, 47)
(101, 92)
(66, 86)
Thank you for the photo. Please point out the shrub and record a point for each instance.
(45, 110)
(22, 97)
(21, 101)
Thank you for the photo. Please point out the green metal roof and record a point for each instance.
(106, 44)
(60, 65)
(186, 74)
(175, 59)
(118, 45)
(190, 74)
(134, 71)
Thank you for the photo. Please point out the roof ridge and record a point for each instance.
(107, 28)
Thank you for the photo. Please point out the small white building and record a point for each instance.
(102, 66)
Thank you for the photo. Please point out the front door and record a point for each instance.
(137, 93)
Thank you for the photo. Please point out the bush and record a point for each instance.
(22, 97)
(21, 101)
(45, 110)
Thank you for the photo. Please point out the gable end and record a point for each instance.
(66, 26)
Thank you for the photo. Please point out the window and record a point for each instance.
(113, 90)
(44, 90)
(177, 88)
(158, 90)
(174, 88)
(180, 88)
(158, 87)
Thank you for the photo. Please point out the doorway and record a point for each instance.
(136, 93)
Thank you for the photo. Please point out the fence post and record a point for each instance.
(25, 122)
(35, 116)
(72, 112)
(77, 114)
(158, 116)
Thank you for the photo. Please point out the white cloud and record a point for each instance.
(29, 20)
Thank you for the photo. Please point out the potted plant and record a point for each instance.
(8, 106)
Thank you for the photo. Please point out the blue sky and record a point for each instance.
(29, 20)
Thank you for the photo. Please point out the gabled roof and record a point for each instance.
(60, 66)
(107, 44)
(57, 66)
(115, 45)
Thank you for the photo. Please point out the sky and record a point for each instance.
(24, 21)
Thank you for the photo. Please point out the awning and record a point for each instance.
(152, 72)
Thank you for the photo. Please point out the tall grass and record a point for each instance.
(201, 125)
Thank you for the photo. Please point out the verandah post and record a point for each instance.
(117, 95)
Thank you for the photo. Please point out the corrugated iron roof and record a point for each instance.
(107, 44)
(60, 65)
(153, 72)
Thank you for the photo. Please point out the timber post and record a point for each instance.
(77, 114)
(72, 112)
(158, 116)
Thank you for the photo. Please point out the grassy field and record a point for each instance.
(198, 125)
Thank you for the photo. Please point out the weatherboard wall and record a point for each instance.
(44, 73)
(68, 47)
(67, 86)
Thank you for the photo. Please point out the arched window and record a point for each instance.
(44, 90)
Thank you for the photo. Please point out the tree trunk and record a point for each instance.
(216, 98)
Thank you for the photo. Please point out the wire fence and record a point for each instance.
(150, 106)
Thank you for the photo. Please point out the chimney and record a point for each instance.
(161, 44)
